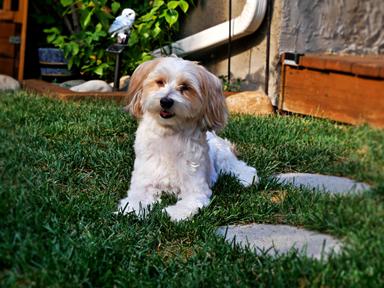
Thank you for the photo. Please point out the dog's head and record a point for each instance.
(175, 92)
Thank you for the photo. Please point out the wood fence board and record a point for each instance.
(7, 49)
(6, 66)
(336, 96)
(369, 66)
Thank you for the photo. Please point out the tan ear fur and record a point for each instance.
(135, 89)
(215, 111)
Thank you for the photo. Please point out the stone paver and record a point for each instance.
(279, 239)
(323, 183)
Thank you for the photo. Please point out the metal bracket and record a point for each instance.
(14, 40)
(292, 59)
(116, 49)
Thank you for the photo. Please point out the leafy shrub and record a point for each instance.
(84, 36)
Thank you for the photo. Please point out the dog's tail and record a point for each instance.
(223, 160)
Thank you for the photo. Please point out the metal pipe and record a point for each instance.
(248, 22)
(229, 41)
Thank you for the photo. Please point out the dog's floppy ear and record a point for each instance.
(215, 112)
(135, 89)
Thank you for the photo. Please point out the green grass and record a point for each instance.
(64, 166)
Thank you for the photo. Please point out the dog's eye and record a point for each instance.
(183, 88)
(160, 83)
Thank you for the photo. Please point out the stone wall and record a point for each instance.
(342, 26)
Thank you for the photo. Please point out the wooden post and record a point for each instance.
(7, 4)
(23, 7)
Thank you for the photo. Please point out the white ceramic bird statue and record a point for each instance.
(122, 25)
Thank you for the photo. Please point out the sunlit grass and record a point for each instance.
(64, 166)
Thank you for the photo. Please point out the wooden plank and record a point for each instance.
(369, 66)
(366, 69)
(313, 62)
(335, 96)
(6, 49)
(7, 29)
(7, 15)
(7, 4)
(55, 91)
(7, 66)
(23, 7)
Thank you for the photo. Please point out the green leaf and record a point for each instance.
(87, 19)
(146, 56)
(147, 17)
(157, 30)
(158, 3)
(75, 49)
(171, 17)
(53, 30)
(98, 27)
(66, 3)
(172, 4)
(133, 39)
(51, 38)
(103, 18)
(115, 6)
(100, 69)
(184, 5)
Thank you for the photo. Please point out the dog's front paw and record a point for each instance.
(127, 206)
(124, 207)
(179, 213)
(247, 175)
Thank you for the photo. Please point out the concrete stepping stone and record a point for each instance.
(323, 183)
(275, 240)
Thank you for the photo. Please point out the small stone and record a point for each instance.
(8, 83)
(323, 183)
(123, 84)
(92, 86)
(250, 102)
(276, 240)
(71, 83)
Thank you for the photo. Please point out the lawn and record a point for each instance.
(65, 165)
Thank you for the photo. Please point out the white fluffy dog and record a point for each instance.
(177, 103)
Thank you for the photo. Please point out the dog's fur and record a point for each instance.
(178, 103)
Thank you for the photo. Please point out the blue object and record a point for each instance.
(52, 56)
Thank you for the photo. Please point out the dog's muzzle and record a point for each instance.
(166, 103)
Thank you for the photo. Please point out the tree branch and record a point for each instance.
(75, 19)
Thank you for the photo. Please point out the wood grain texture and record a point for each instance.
(7, 50)
(368, 66)
(7, 66)
(23, 12)
(7, 29)
(327, 94)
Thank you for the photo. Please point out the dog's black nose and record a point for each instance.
(166, 102)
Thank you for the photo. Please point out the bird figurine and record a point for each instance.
(122, 25)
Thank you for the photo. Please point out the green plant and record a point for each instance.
(233, 86)
(85, 37)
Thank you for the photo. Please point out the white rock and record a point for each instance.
(92, 86)
(71, 83)
(275, 240)
(8, 83)
(123, 84)
(323, 183)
